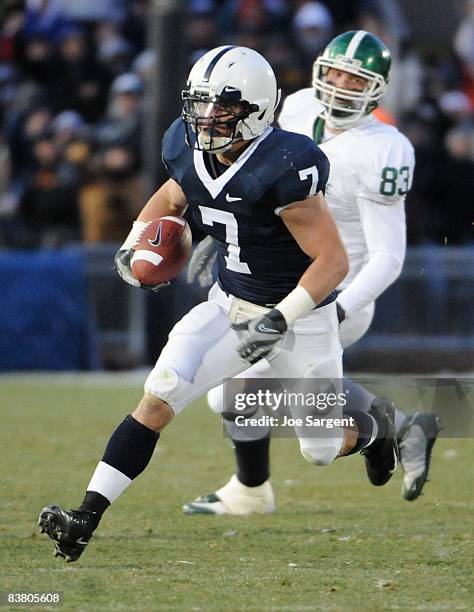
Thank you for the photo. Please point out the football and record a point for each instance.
(161, 251)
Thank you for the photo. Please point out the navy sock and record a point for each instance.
(130, 447)
(253, 461)
(129, 451)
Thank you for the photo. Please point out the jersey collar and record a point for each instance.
(319, 127)
(216, 185)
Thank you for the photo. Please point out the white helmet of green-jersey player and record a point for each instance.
(231, 94)
(359, 53)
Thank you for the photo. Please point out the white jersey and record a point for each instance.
(371, 171)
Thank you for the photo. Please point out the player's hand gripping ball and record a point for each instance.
(161, 251)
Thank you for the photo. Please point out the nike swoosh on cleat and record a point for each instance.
(396, 462)
(229, 198)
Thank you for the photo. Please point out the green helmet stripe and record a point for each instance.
(354, 44)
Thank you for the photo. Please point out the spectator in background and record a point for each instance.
(456, 106)
(115, 55)
(201, 34)
(454, 202)
(135, 24)
(123, 122)
(144, 65)
(112, 196)
(48, 206)
(35, 56)
(11, 25)
(79, 82)
(114, 192)
(313, 27)
(439, 207)
(66, 126)
(71, 140)
(45, 19)
(25, 128)
(288, 67)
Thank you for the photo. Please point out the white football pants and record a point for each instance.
(201, 353)
(350, 331)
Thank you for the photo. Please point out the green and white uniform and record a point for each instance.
(371, 172)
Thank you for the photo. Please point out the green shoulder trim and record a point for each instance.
(318, 130)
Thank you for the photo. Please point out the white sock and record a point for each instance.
(108, 481)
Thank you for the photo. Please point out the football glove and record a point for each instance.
(122, 265)
(260, 336)
(202, 262)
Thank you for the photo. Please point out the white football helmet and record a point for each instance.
(231, 94)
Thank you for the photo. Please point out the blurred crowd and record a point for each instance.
(74, 76)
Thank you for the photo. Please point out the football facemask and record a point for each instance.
(215, 122)
(230, 95)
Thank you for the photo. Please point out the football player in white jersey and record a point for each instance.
(371, 172)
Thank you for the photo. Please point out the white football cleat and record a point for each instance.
(234, 498)
(417, 437)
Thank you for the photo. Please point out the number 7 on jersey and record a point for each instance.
(213, 215)
(313, 173)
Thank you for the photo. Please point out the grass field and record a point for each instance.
(336, 542)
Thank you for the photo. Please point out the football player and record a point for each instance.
(258, 191)
(371, 172)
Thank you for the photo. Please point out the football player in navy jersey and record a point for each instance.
(259, 192)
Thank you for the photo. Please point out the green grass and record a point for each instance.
(336, 542)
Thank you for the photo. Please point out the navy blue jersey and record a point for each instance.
(258, 259)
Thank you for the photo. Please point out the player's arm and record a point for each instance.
(315, 231)
(385, 235)
(168, 200)
(313, 228)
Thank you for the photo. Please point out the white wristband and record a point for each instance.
(131, 240)
(296, 304)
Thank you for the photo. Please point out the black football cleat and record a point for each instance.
(381, 457)
(416, 439)
(71, 530)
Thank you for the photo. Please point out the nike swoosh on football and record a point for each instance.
(229, 198)
(156, 241)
